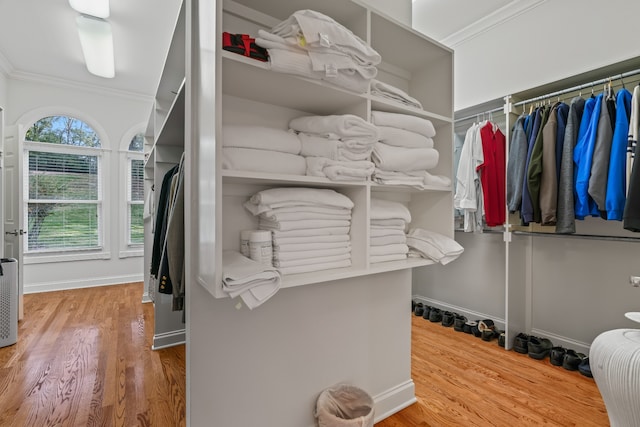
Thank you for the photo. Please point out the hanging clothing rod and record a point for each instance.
(495, 110)
(579, 236)
(579, 87)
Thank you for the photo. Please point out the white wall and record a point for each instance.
(116, 114)
(397, 9)
(555, 40)
(3, 90)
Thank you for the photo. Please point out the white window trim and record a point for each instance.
(127, 250)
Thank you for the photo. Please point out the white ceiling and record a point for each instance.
(38, 38)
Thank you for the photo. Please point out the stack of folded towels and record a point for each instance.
(435, 246)
(254, 282)
(261, 149)
(394, 94)
(387, 238)
(405, 151)
(313, 45)
(337, 147)
(310, 227)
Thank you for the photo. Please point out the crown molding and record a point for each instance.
(5, 66)
(498, 17)
(70, 84)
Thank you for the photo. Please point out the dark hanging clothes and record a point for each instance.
(161, 221)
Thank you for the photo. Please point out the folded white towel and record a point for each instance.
(435, 246)
(321, 146)
(275, 216)
(345, 126)
(292, 196)
(388, 91)
(385, 231)
(261, 138)
(389, 222)
(309, 268)
(331, 210)
(388, 240)
(436, 180)
(247, 159)
(403, 138)
(299, 64)
(310, 261)
(388, 209)
(398, 248)
(404, 121)
(385, 258)
(311, 232)
(307, 250)
(402, 159)
(253, 281)
(413, 179)
(302, 224)
(311, 240)
(339, 171)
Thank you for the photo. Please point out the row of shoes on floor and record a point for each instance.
(540, 348)
(484, 329)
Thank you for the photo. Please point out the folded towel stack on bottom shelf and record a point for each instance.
(435, 246)
(309, 227)
(254, 282)
(387, 238)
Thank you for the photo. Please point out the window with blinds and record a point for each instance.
(135, 200)
(62, 194)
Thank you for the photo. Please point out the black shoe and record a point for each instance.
(585, 368)
(572, 360)
(556, 356)
(469, 326)
(486, 324)
(419, 310)
(501, 339)
(435, 315)
(458, 323)
(488, 334)
(448, 318)
(427, 312)
(475, 330)
(521, 343)
(539, 348)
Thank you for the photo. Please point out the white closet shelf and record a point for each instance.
(172, 130)
(405, 189)
(382, 104)
(245, 177)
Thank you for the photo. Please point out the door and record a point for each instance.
(12, 201)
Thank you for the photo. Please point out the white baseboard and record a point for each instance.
(566, 342)
(84, 283)
(146, 298)
(169, 339)
(469, 314)
(394, 400)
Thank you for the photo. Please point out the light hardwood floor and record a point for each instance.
(84, 358)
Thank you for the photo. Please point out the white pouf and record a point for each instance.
(615, 364)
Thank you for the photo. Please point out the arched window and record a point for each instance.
(62, 186)
(135, 190)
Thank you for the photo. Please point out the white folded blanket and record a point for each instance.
(275, 216)
(434, 245)
(398, 248)
(403, 138)
(247, 159)
(309, 268)
(253, 281)
(334, 149)
(305, 250)
(384, 258)
(388, 240)
(308, 209)
(261, 138)
(296, 196)
(311, 232)
(311, 261)
(401, 159)
(389, 222)
(311, 240)
(302, 224)
(388, 91)
(386, 231)
(339, 171)
(436, 180)
(404, 121)
(388, 209)
(345, 126)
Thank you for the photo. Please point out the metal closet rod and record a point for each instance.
(579, 236)
(495, 110)
(579, 87)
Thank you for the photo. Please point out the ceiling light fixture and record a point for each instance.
(97, 8)
(96, 40)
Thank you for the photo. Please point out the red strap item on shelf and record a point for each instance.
(244, 44)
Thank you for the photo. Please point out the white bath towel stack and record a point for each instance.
(261, 149)
(435, 246)
(313, 45)
(337, 146)
(309, 227)
(254, 282)
(405, 151)
(387, 238)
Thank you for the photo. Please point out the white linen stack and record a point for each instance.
(309, 227)
(405, 151)
(261, 149)
(393, 93)
(435, 246)
(254, 282)
(337, 146)
(387, 240)
(313, 45)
